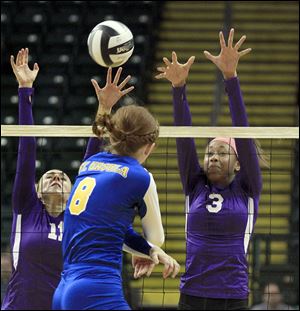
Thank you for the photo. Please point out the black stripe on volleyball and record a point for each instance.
(122, 48)
(107, 32)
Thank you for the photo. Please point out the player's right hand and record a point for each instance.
(109, 95)
(175, 72)
(24, 75)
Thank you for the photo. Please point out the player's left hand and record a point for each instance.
(109, 95)
(144, 266)
(171, 266)
(229, 56)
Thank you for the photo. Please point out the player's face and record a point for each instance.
(220, 163)
(55, 182)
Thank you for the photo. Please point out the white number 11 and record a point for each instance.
(52, 235)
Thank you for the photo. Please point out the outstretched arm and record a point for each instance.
(107, 97)
(24, 185)
(190, 171)
(227, 62)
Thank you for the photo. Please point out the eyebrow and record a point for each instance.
(217, 148)
(52, 173)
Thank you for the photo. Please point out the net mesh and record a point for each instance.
(273, 252)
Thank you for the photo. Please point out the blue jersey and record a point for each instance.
(219, 222)
(108, 192)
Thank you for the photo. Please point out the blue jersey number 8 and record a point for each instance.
(82, 195)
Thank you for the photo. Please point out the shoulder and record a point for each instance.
(141, 174)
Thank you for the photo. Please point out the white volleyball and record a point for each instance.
(110, 44)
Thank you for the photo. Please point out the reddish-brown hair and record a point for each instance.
(130, 128)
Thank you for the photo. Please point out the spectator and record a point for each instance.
(272, 299)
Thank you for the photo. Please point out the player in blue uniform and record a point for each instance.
(221, 197)
(111, 187)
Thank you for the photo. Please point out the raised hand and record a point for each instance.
(24, 75)
(109, 95)
(229, 56)
(175, 72)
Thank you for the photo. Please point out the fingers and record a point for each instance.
(169, 266)
(19, 58)
(126, 91)
(166, 61)
(174, 57)
(22, 57)
(108, 76)
(222, 40)
(124, 82)
(176, 269)
(161, 69)
(141, 270)
(244, 52)
(230, 38)
(209, 56)
(150, 269)
(190, 62)
(117, 76)
(36, 67)
(136, 271)
(13, 65)
(240, 42)
(160, 76)
(96, 86)
(25, 59)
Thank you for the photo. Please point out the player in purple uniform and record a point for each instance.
(37, 213)
(221, 197)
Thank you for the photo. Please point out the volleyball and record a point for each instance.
(110, 43)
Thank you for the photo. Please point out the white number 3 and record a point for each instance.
(216, 205)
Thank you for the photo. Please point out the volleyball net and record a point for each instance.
(274, 247)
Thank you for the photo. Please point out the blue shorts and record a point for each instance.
(89, 288)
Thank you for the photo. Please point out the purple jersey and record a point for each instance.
(36, 236)
(219, 222)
